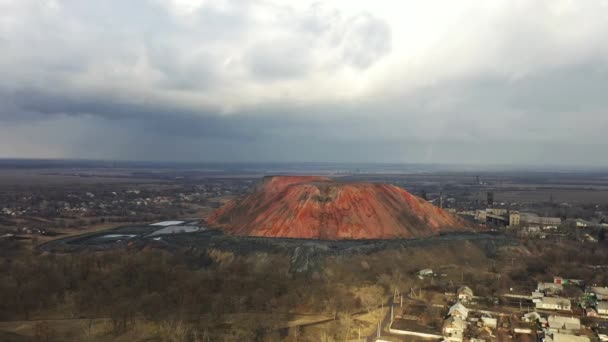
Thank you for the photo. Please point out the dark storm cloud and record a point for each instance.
(159, 120)
(565, 89)
(265, 80)
(165, 121)
(418, 127)
(574, 88)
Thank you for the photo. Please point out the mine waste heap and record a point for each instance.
(309, 207)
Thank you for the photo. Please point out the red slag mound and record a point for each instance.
(320, 208)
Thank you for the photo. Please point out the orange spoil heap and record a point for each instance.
(320, 208)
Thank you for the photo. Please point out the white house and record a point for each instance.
(465, 294)
(453, 328)
(549, 288)
(589, 238)
(489, 321)
(405, 328)
(459, 310)
(425, 272)
(565, 338)
(591, 312)
(602, 335)
(537, 295)
(554, 303)
(533, 317)
(602, 308)
(522, 329)
(561, 324)
(600, 293)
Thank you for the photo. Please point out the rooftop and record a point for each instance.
(555, 300)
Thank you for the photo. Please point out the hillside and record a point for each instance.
(321, 208)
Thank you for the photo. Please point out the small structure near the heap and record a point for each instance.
(458, 310)
(533, 317)
(453, 328)
(600, 293)
(561, 324)
(565, 338)
(602, 308)
(549, 288)
(490, 322)
(554, 303)
(427, 272)
(464, 294)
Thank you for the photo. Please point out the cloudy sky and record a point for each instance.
(523, 82)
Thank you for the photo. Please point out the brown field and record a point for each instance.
(20, 178)
(572, 196)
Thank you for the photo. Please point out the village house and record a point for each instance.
(601, 293)
(565, 281)
(561, 324)
(537, 295)
(549, 288)
(522, 328)
(588, 238)
(409, 327)
(453, 328)
(489, 321)
(533, 317)
(602, 333)
(427, 272)
(514, 219)
(465, 294)
(458, 310)
(591, 312)
(484, 335)
(554, 303)
(602, 308)
(565, 338)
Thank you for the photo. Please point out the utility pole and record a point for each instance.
(378, 334)
(401, 300)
